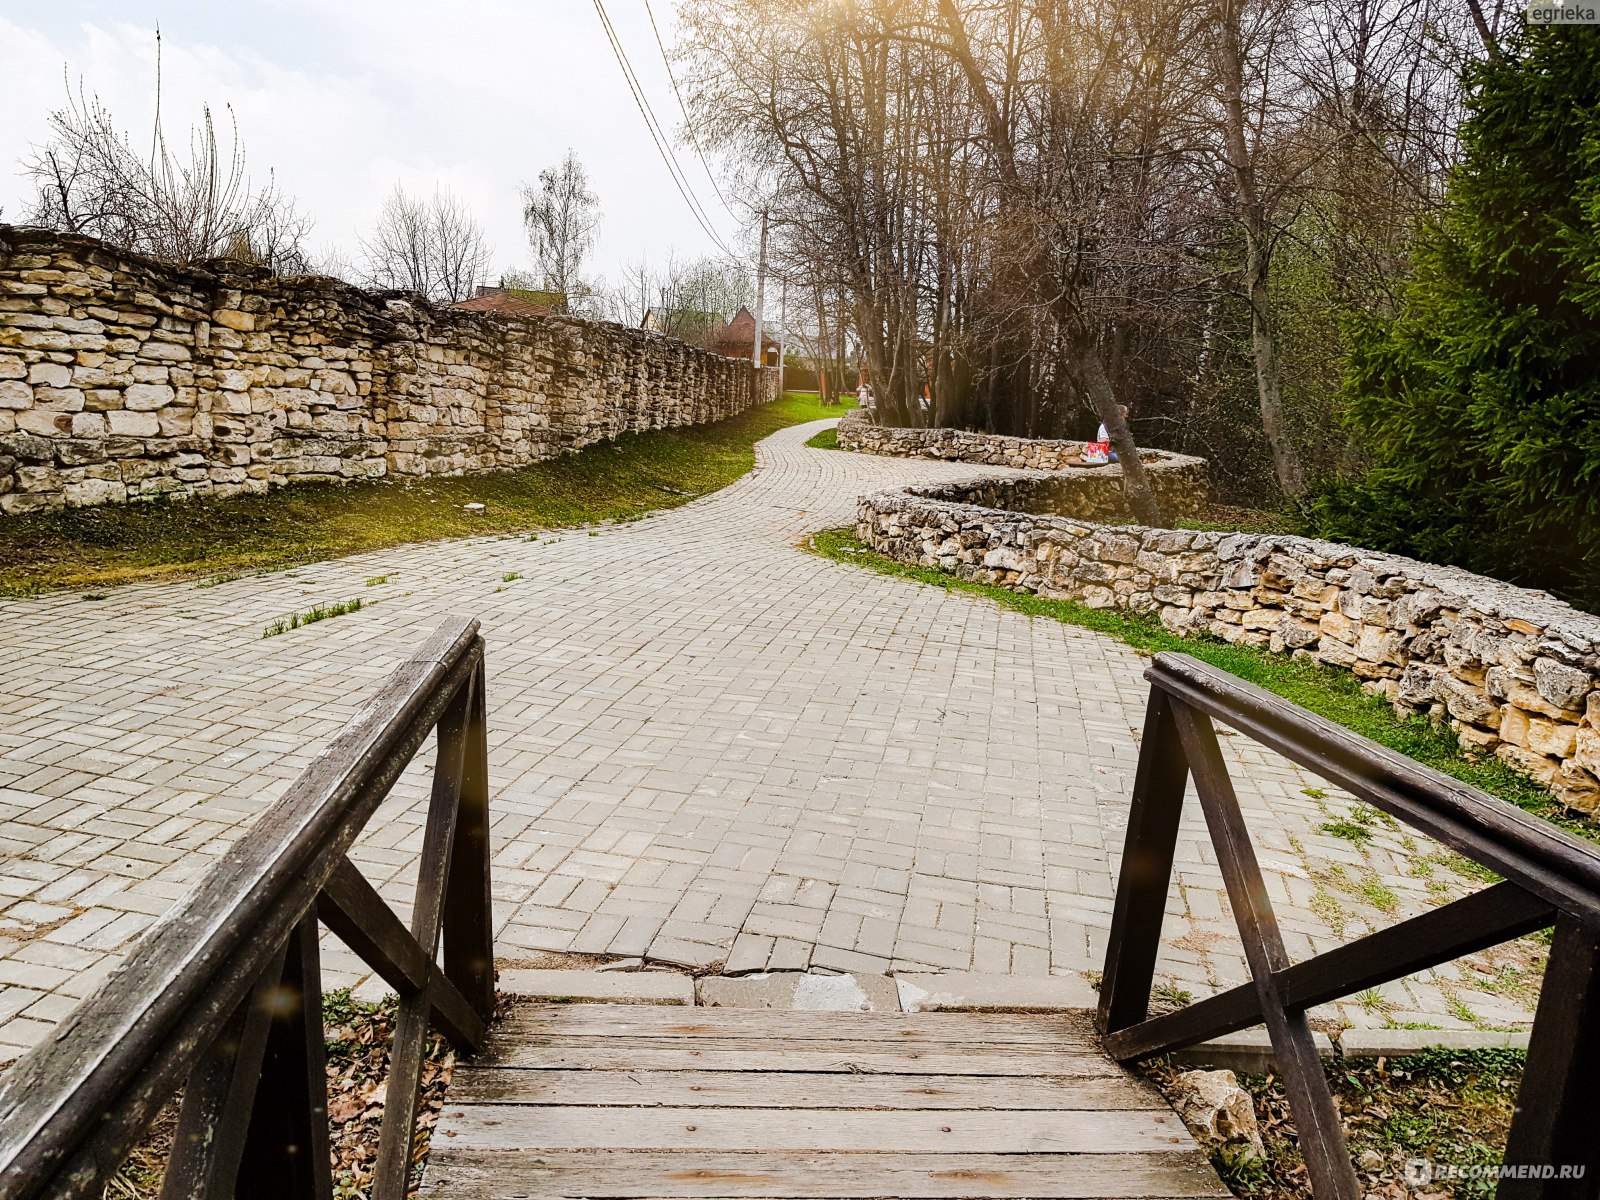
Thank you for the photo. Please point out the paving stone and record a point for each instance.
(599, 987)
(1395, 1043)
(1248, 1050)
(966, 991)
(800, 990)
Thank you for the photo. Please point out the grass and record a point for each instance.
(1326, 691)
(616, 480)
(1380, 895)
(1230, 518)
(312, 615)
(1350, 831)
(828, 439)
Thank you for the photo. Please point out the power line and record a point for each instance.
(674, 169)
(688, 124)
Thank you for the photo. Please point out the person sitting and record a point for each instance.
(1105, 436)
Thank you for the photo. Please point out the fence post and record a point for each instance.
(468, 912)
(286, 1149)
(1141, 904)
(1555, 1116)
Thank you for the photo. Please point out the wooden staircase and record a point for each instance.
(636, 1101)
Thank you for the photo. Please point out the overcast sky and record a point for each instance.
(342, 98)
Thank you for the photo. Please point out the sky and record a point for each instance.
(342, 99)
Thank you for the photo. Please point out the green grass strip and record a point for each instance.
(828, 439)
(311, 616)
(622, 479)
(1326, 691)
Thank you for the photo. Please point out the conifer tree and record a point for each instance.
(1480, 401)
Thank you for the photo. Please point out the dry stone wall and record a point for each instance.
(858, 431)
(124, 378)
(1070, 488)
(1516, 672)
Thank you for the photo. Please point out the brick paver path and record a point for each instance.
(707, 746)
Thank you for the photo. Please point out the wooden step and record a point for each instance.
(619, 1101)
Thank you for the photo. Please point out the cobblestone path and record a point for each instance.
(706, 745)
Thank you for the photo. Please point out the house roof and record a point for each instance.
(505, 302)
(740, 334)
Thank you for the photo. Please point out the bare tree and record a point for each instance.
(1036, 210)
(459, 251)
(434, 247)
(561, 214)
(88, 179)
(1246, 36)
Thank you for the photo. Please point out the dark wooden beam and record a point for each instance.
(391, 1177)
(218, 1099)
(1440, 935)
(1154, 813)
(1316, 1116)
(285, 1151)
(469, 909)
(1554, 1126)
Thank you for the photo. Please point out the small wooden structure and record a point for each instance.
(223, 998)
(637, 1101)
(1550, 878)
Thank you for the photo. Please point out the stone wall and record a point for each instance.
(1516, 672)
(1070, 488)
(858, 431)
(123, 378)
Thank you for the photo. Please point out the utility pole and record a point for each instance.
(761, 290)
(783, 333)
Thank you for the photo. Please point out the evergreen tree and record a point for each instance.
(1480, 401)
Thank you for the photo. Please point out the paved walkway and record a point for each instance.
(707, 746)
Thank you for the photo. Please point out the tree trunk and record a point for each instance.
(1135, 479)
(1253, 222)
(1269, 389)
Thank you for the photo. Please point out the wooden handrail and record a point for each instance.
(223, 995)
(1550, 878)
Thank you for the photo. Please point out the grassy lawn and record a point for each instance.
(1330, 693)
(828, 439)
(618, 480)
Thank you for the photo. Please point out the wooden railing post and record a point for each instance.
(208, 1144)
(1141, 904)
(1321, 1132)
(286, 1151)
(1555, 1123)
(391, 1175)
(468, 911)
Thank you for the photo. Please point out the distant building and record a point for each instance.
(738, 339)
(514, 302)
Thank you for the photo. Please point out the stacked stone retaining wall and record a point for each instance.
(123, 377)
(1516, 672)
(858, 431)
